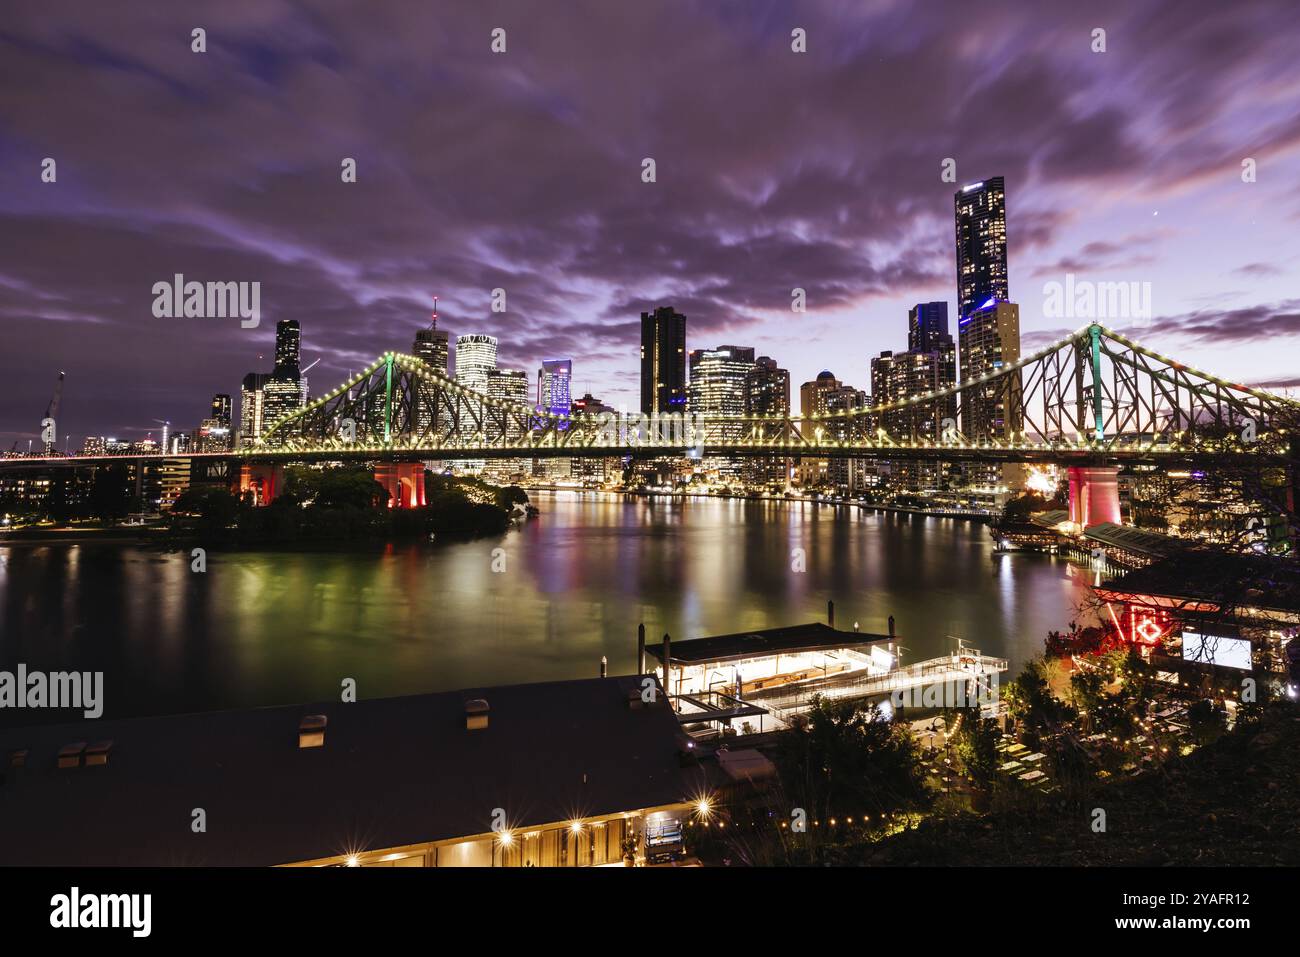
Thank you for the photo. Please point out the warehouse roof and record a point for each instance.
(391, 772)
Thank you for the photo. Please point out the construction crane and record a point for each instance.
(52, 411)
(302, 381)
(166, 424)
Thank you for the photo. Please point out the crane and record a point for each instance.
(302, 381)
(52, 412)
(166, 424)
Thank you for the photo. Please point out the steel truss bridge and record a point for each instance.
(1094, 396)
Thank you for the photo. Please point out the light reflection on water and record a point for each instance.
(264, 628)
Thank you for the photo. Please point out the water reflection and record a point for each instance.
(262, 628)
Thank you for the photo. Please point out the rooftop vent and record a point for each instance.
(311, 731)
(70, 754)
(98, 752)
(476, 714)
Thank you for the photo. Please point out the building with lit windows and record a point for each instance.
(767, 392)
(554, 380)
(430, 345)
(508, 385)
(454, 779)
(825, 396)
(717, 388)
(663, 361)
(221, 409)
(980, 211)
(252, 406)
(990, 340)
(476, 353)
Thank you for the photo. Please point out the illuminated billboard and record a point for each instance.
(1217, 650)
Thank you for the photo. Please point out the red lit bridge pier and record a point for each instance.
(404, 482)
(262, 480)
(1094, 495)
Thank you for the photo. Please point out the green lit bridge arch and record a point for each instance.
(1094, 395)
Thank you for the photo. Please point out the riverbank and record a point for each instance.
(936, 512)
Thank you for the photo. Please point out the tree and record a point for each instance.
(845, 758)
(977, 750)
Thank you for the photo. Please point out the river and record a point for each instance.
(544, 601)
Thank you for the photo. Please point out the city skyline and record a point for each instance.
(1090, 145)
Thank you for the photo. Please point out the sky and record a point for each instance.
(523, 170)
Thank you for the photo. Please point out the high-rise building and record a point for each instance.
(588, 404)
(288, 349)
(717, 385)
(282, 391)
(812, 395)
(593, 469)
(767, 392)
(507, 385)
(252, 402)
(221, 409)
(476, 353)
(981, 222)
(663, 361)
(431, 346)
(928, 365)
(989, 338)
(554, 379)
(717, 388)
(823, 396)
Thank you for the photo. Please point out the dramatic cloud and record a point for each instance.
(522, 171)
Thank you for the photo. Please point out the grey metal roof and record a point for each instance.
(1137, 540)
(813, 636)
(392, 772)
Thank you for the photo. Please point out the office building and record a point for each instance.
(981, 227)
(767, 393)
(252, 402)
(663, 361)
(221, 408)
(554, 379)
(431, 346)
(989, 338)
(717, 390)
(476, 353)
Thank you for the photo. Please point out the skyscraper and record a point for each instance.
(554, 379)
(221, 410)
(431, 346)
(288, 349)
(663, 361)
(475, 355)
(767, 392)
(981, 221)
(282, 390)
(990, 340)
(827, 394)
(718, 377)
(252, 406)
(717, 388)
